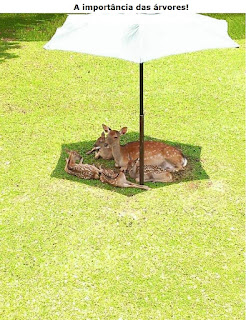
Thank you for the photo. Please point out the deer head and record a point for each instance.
(132, 165)
(74, 154)
(113, 136)
(100, 141)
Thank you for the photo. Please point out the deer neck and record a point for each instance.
(71, 162)
(134, 169)
(116, 151)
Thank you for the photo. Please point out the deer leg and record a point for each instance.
(167, 165)
(92, 150)
(128, 184)
(134, 185)
(97, 155)
(161, 180)
(89, 152)
(162, 177)
(123, 183)
(179, 167)
(174, 166)
(146, 179)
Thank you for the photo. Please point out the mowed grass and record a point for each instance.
(75, 250)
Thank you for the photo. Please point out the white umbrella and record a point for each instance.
(140, 38)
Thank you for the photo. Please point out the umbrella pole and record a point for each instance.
(141, 129)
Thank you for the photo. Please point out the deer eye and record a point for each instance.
(115, 137)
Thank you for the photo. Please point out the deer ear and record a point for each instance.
(103, 135)
(106, 128)
(123, 130)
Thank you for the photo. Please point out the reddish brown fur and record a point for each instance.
(155, 153)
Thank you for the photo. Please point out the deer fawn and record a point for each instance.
(155, 153)
(151, 173)
(118, 180)
(100, 149)
(80, 170)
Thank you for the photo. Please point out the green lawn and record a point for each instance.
(73, 249)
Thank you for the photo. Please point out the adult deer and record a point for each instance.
(155, 153)
(100, 150)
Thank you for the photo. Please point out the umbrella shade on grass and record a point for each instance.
(140, 38)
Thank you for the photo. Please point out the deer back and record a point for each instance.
(155, 152)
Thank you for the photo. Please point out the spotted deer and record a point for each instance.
(80, 170)
(151, 173)
(155, 153)
(118, 179)
(100, 150)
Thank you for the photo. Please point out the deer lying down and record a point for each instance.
(87, 171)
(151, 173)
(80, 170)
(100, 150)
(155, 153)
(118, 180)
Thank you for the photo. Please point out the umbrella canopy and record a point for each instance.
(140, 38)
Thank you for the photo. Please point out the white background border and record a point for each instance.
(67, 6)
